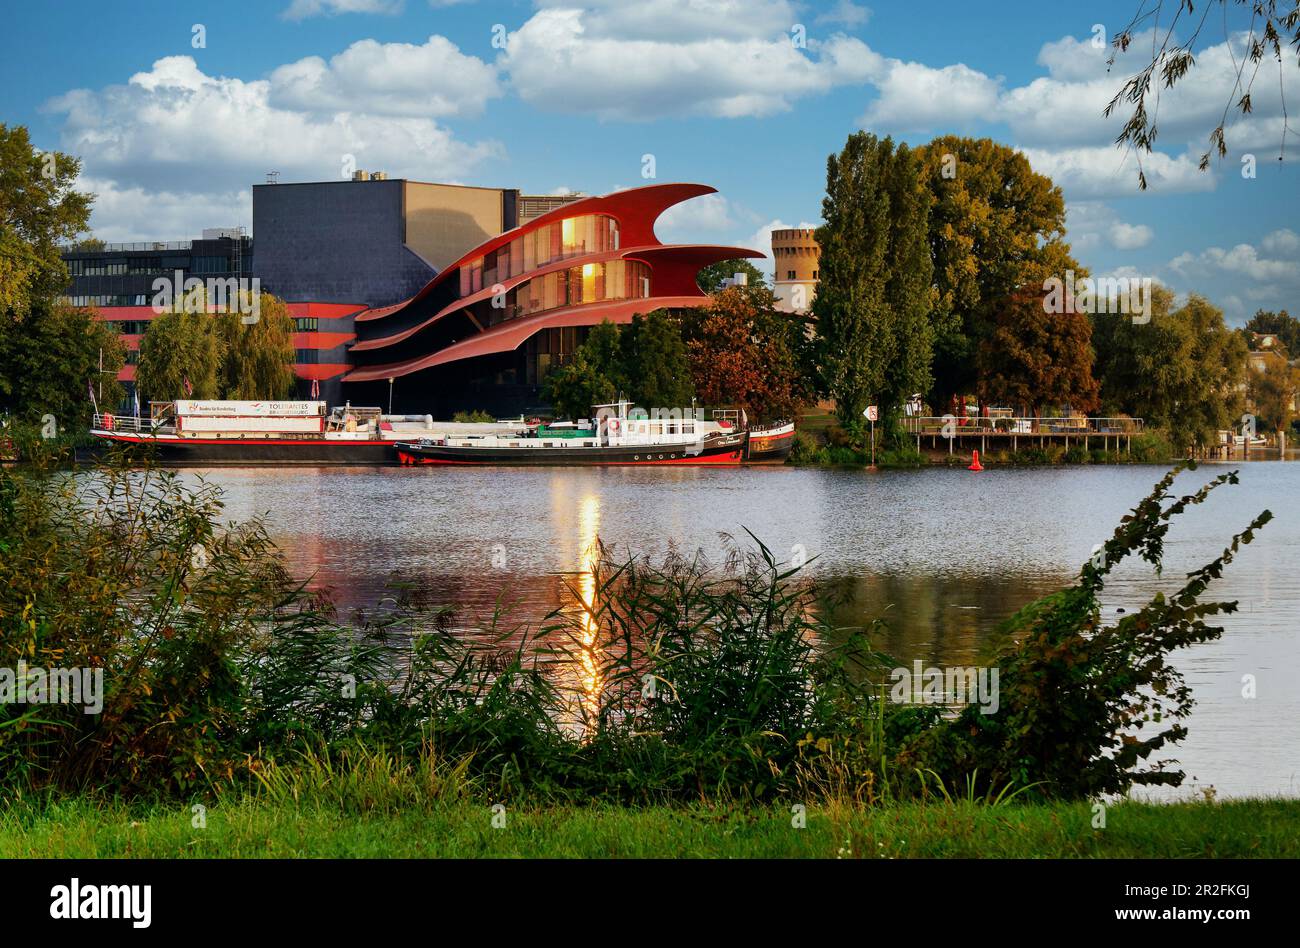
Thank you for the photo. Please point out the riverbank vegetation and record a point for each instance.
(393, 816)
(667, 683)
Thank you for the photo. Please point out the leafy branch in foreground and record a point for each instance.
(1078, 693)
(1271, 26)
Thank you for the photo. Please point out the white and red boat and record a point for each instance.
(191, 431)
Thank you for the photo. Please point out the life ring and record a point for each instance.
(613, 424)
(108, 422)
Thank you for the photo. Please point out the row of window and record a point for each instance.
(138, 299)
(571, 237)
(590, 283)
(789, 275)
(117, 266)
(800, 251)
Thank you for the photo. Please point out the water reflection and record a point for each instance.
(943, 556)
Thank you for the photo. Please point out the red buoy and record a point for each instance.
(975, 464)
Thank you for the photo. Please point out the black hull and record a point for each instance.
(249, 451)
(731, 452)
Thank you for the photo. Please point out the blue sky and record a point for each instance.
(572, 94)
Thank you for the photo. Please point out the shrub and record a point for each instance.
(475, 417)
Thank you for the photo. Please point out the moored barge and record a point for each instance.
(205, 433)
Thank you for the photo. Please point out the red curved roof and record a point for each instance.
(510, 335)
(668, 281)
(635, 209)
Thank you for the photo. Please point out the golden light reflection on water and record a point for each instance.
(588, 557)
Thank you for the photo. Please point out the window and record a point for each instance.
(306, 356)
(789, 274)
(211, 265)
(306, 324)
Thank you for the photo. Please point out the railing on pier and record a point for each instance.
(1078, 425)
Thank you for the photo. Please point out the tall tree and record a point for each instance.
(178, 347)
(745, 352)
(39, 210)
(257, 357)
(48, 364)
(1272, 392)
(875, 341)
(996, 225)
(654, 362)
(1184, 370)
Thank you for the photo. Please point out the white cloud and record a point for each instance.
(1093, 224)
(1104, 171)
(661, 64)
(303, 9)
(678, 20)
(1130, 236)
(123, 215)
(709, 213)
(915, 96)
(1281, 243)
(434, 79)
(1243, 259)
(174, 129)
(846, 12)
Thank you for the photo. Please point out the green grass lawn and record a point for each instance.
(252, 828)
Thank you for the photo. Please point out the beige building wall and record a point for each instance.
(444, 221)
(796, 259)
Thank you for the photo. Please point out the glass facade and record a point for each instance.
(571, 237)
(589, 283)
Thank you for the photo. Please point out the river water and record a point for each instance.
(942, 555)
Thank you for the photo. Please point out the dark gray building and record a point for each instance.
(370, 240)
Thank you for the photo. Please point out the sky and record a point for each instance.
(176, 109)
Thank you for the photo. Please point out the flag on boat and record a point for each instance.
(189, 389)
(315, 389)
(136, 396)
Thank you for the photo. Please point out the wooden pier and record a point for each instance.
(1008, 431)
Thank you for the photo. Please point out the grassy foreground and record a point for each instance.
(252, 828)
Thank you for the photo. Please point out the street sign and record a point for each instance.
(871, 414)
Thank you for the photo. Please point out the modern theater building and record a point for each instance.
(434, 298)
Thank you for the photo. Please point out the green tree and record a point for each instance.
(654, 362)
(48, 364)
(176, 347)
(710, 278)
(744, 352)
(996, 226)
(258, 357)
(1282, 325)
(1272, 392)
(1184, 370)
(39, 210)
(604, 353)
(573, 388)
(874, 297)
